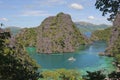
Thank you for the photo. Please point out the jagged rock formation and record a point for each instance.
(58, 34)
(114, 43)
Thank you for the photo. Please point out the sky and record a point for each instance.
(30, 13)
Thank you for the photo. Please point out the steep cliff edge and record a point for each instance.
(58, 34)
(114, 43)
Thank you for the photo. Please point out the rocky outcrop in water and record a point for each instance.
(58, 34)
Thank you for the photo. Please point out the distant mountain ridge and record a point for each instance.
(90, 27)
(88, 23)
(83, 27)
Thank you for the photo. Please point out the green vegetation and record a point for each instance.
(115, 49)
(15, 63)
(61, 74)
(112, 7)
(80, 38)
(58, 34)
(114, 75)
(97, 75)
(116, 46)
(102, 35)
(27, 37)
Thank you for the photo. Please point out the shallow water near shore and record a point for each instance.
(83, 60)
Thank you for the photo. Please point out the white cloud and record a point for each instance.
(91, 17)
(3, 19)
(35, 13)
(76, 6)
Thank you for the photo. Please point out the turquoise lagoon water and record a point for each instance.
(86, 59)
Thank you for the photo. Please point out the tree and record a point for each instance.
(114, 76)
(97, 75)
(108, 6)
(61, 74)
(15, 63)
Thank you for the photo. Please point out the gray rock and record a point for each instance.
(58, 34)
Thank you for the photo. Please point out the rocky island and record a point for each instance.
(58, 34)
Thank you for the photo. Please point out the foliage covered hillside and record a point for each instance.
(15, 63)
(101, 34)
(114, 42)
(58, 34)
(61, 74)
(55, 34)
(27, 37)
(114, 47)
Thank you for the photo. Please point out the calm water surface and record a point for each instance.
(84, 60)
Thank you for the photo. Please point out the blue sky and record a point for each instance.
(30, 13)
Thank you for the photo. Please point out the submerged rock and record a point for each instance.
(102, 54)
(58, 34)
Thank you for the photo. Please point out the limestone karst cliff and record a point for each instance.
(114, 42)
(58, 34)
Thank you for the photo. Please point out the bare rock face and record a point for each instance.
(113, 46)
(58, 34)
(117, 20)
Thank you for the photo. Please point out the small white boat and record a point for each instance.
(71, 59)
